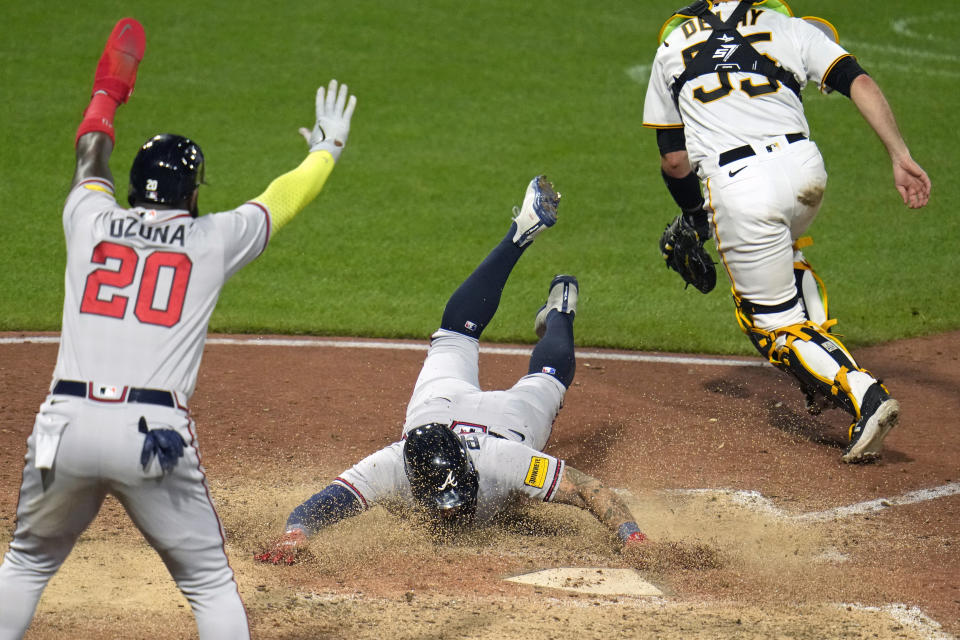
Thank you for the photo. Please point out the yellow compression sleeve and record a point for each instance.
(290, 193)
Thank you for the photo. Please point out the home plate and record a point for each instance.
(626, 582)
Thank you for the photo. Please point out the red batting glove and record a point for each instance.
(115, 77)
(117, 70)
(634, 539)
(284, 550)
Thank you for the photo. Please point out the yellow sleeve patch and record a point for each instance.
(537, 473)
(97, 187)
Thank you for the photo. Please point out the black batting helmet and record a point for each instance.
(167, 170)
(442, 477)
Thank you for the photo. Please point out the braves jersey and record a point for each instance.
(506, 470)
(728, 109)
(141, 285)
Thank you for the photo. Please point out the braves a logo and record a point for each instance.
(449, 482)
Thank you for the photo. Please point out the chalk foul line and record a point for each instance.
(408, 346)
(758, 502)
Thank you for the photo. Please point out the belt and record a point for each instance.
(746, 150)
(104, 393)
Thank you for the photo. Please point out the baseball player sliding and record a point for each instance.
(724, 97)
(141, 284)
(465, 454)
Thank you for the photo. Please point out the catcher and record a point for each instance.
(725, 98)
(465, 454)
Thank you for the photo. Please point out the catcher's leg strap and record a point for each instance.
(810, 288)
(761, 338)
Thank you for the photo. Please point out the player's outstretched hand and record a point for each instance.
(284, 549)
(117, 70)
(334, 111)
(912, 182)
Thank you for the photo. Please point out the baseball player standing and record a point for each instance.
(724, 97)
(141, 284)
(466, 454)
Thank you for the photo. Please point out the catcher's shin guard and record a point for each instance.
(818, 360)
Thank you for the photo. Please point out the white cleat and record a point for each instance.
(538, 211)
(880, 414)
(564, 292)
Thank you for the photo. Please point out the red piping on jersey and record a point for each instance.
(176, 400)
(352, 488)
(468, 425)
(269, 222)
(206, 488)
(556, 480)
(182, 215)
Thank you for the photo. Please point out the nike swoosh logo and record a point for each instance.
(733, 173)
(522, 437)
(122, 31)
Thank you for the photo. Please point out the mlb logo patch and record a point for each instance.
(470, 326)
(549, 370)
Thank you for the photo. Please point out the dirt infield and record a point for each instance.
(785, 561)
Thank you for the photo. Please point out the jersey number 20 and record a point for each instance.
(124, 275)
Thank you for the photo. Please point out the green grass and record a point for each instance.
(460, 103)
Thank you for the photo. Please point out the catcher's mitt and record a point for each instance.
(683, 251)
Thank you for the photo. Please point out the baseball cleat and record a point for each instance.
(879, 414)
(538, 211)
(564, 291)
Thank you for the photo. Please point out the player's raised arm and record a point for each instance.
(584, 491)
(113, 84)
(910, 179)
(290, 193)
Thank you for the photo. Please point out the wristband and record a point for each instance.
(98, 116)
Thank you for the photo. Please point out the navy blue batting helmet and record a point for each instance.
(442, 477)
(167, 170)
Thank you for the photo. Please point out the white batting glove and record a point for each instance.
(334, 111)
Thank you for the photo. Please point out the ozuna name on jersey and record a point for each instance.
(131, 227)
